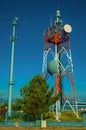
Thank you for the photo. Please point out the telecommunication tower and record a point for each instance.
(57, 63)
(13, 38)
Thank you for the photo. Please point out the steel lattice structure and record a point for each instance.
(57, 57)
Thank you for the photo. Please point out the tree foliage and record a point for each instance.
(37, 97)
(18, 104)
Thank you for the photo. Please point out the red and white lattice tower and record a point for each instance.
(57, 63)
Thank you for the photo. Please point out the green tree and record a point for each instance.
(37, 97)
(17, 105)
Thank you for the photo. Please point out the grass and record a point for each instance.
(67, 116)
(70, 117)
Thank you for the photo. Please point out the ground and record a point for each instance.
(35, 128)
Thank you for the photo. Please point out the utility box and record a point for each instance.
(43, 124)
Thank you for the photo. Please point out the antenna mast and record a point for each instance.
(13, 38)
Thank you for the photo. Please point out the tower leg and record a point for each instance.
(76, 109)
(57, 110)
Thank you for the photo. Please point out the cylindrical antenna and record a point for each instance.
(13, 38)
(58, 4)
(51, 20)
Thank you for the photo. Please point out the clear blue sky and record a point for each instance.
(34, 18)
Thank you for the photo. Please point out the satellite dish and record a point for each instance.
(67, 28)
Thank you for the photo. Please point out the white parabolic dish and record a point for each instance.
(67, 28)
